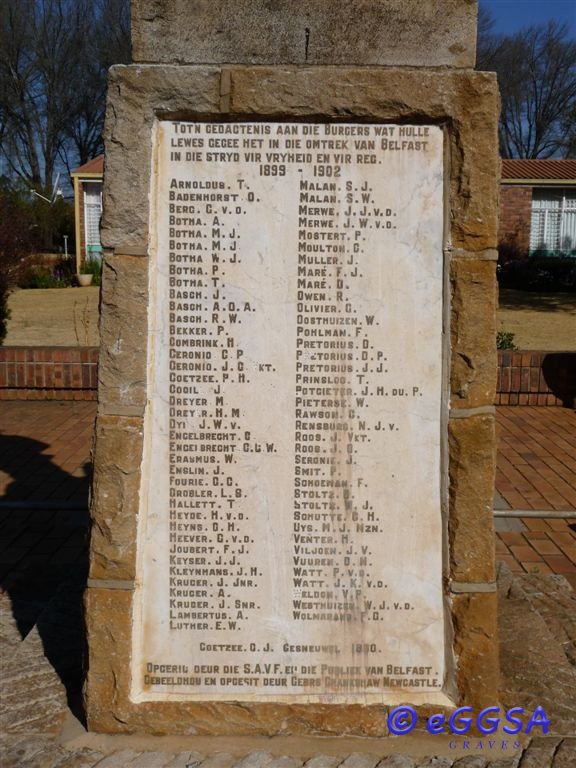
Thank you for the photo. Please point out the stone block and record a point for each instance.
(467, 103)
(360, 760)
(475, 644)
(541, 752)
(387, 32)
(474, 361)
(471, 472)
(286, 762)
(398, 761)
(115, 492)
(110, 709)
(323, 761)
(136, 96)
(123, 333)
(566, 754)
(535, 670)
(33, 697)
(555, 600)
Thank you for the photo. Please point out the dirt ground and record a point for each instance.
(539, 321)
(69, 316)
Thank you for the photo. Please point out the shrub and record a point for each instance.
(505, 340)
(16, 241)
(538, 273)
(16, 244)
(58, 276)
(4, 311)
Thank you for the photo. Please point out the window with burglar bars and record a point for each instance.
(92, 211)
(553, 225)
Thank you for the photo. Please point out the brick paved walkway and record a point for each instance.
(44, 456)
(45, 450)
(536, 470)
(537, 457)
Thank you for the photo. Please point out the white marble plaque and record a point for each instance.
(290, 534)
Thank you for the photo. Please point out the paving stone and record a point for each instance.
(152, 760)
(50, 757)
(535, 669)
(9, 635)
(555, 600)
(119, 759)
(509, 762)
(16, 750)
(255, 760)
(286, 762)
(83, 758)
(565, 757)
(529, 443)
(539, 753)
(321, 761)
(34, 699)
(186, 760)
(471, 761)
(397, 761)
(219, 760)
(360, 760)
(437, 762)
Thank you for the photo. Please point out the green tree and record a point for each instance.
(16, 243)
(54, 55)
(536, 70)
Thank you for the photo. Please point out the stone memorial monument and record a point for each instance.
(293, 471)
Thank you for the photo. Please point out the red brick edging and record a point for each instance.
(536, 378)
(71, 373)
(48, 373)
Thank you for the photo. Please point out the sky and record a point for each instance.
(512, 15)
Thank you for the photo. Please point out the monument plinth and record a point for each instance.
(295, 441)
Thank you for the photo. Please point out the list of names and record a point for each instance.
(290, 535)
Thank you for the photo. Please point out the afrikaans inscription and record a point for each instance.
(290, 534)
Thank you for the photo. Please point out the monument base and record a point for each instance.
(464, 105)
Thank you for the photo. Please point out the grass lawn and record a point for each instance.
(69, 316)
(539, 321)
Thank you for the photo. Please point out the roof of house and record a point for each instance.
(546, 171)
(94, 166)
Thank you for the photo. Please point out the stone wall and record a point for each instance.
(306, 32)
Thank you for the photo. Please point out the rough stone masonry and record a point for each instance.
(294, 461)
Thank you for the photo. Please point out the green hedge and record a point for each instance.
(538, 273)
